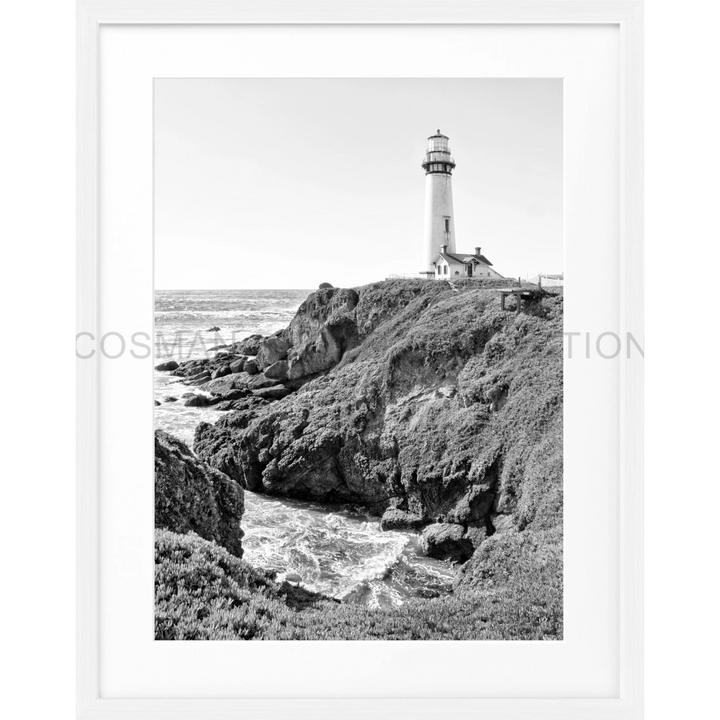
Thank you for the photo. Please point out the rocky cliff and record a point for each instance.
(421, 400)
(192, 497)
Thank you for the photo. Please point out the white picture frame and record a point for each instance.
(627, 15)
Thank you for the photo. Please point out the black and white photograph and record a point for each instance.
(358, 359)
(363, 315)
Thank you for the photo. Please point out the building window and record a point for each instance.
(456, 272)
(447, 225)
(445, 270)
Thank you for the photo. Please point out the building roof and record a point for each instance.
(462, 258)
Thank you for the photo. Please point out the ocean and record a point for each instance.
(340, 551)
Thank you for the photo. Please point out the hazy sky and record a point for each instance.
(290, 183)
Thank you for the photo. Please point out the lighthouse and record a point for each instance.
(439, 216)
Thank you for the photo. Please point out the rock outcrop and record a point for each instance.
(323, 329)
(447, 541)
(394, 519)
(190, 496)
(414, 397)
(250, 345)
(167, 366)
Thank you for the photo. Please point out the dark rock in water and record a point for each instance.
(394, 519)
(157, 402)
(251, 367)
(249, 346)
(278, 392)
(191, 496)
(199, 401)
(214, 328)
(325, 286)
(273, 349)
(237, 365)
(446, 541)
(277, 371)
(170, 399)
(221, 372)
(167, 366)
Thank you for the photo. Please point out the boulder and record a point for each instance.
(498, 396)
(222, 385)
(446, 541)
(157, 402)
(277, 392)
(221, 372)
(474, 505)
(321, 331)
(244, 403)
(199, 401)
(236, 366)
(200, 378)
(277, 371)
(249, 346)
(167, 366)
(170, 398)
(235, 394)
(214, 328)
(258, 382)
(325, 286)
(394, 519)
(251, 367)
(192, 367)
(192, 496)
(272, 349)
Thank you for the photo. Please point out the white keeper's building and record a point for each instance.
(439, 256)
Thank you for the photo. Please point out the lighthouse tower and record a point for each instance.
(439, 217)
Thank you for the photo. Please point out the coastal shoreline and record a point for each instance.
(356, 366)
